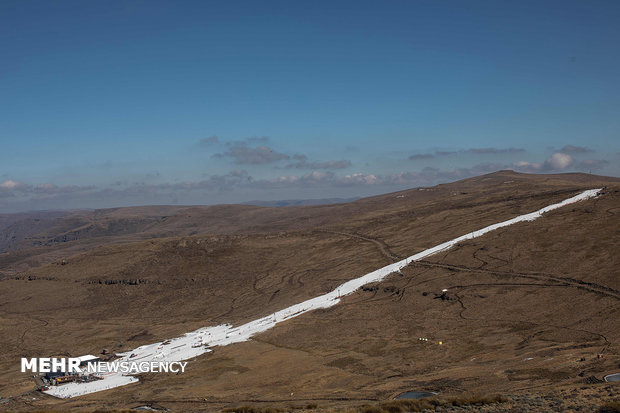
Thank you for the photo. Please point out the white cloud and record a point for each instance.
(359, 178)
(558, 162)
(9, 184)
(526, 166)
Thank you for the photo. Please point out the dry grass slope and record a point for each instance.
(529, 309)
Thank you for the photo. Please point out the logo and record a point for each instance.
(76, 365)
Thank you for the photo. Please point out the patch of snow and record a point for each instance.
(109, 381)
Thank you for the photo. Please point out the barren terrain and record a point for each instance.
(531, 309)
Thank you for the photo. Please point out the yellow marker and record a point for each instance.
(440, 343)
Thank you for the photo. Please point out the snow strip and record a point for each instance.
(198, 342)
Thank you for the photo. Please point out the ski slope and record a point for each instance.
(198, 342)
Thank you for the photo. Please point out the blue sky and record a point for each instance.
(196, 102)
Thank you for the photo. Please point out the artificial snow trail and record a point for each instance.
(199, 342)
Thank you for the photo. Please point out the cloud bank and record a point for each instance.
(474, 151)
(257, 172)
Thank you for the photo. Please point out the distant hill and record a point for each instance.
(301, 202)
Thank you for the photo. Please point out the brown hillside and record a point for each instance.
(529, 306)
